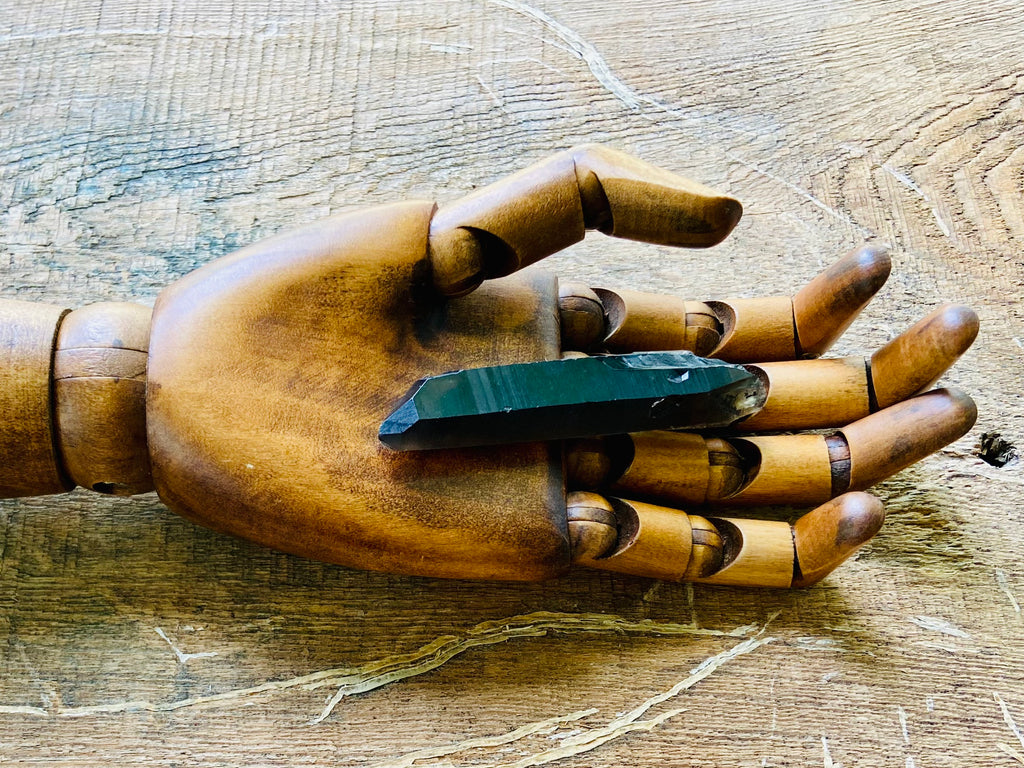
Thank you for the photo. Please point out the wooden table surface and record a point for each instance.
(139, 140)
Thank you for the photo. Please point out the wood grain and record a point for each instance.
(141, 140)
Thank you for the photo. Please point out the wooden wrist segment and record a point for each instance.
(77, 381)
(28, 443)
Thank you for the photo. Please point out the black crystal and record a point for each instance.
(573, 397)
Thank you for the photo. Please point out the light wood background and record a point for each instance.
(139, 140)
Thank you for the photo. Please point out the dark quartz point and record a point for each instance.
(574, 397)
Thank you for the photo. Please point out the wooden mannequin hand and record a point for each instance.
(252, 401)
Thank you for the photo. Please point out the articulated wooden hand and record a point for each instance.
(251, 396)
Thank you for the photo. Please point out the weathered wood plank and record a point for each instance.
(138, 141)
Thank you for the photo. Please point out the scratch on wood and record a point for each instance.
(902, 715)
(546, 40)
(578, 46)
(581, 48)
(381, 672)
(629, 722)
(542, 727)
(487, 89)
(443, 649)
(802, 193)
(593, 740)
(698, 673)
(909, 183)
(941, 223)
(18, 710)
(183, 658)
(1008, 718)
(826, 755)
(448, 47)
(633, 100)
(774, 724)
(904, 179)
(818, 644)
(690, 601)
(1012, 752)
(1004, 585)
(938, 625)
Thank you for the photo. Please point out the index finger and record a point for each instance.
(549, 206)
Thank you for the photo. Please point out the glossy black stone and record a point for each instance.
(574, 397)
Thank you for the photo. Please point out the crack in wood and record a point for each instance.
(391, 669)
(594, 737)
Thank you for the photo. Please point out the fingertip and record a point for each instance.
(873, 260)
(710, 223)
(892, 439)
(915, 359)
(627, 197)
(861, 272)
(824, 308)
(830, 534)
(963, 409)
(959, 325)
(861, 517)
(726, 215)
(951, 329)
(873, 269)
